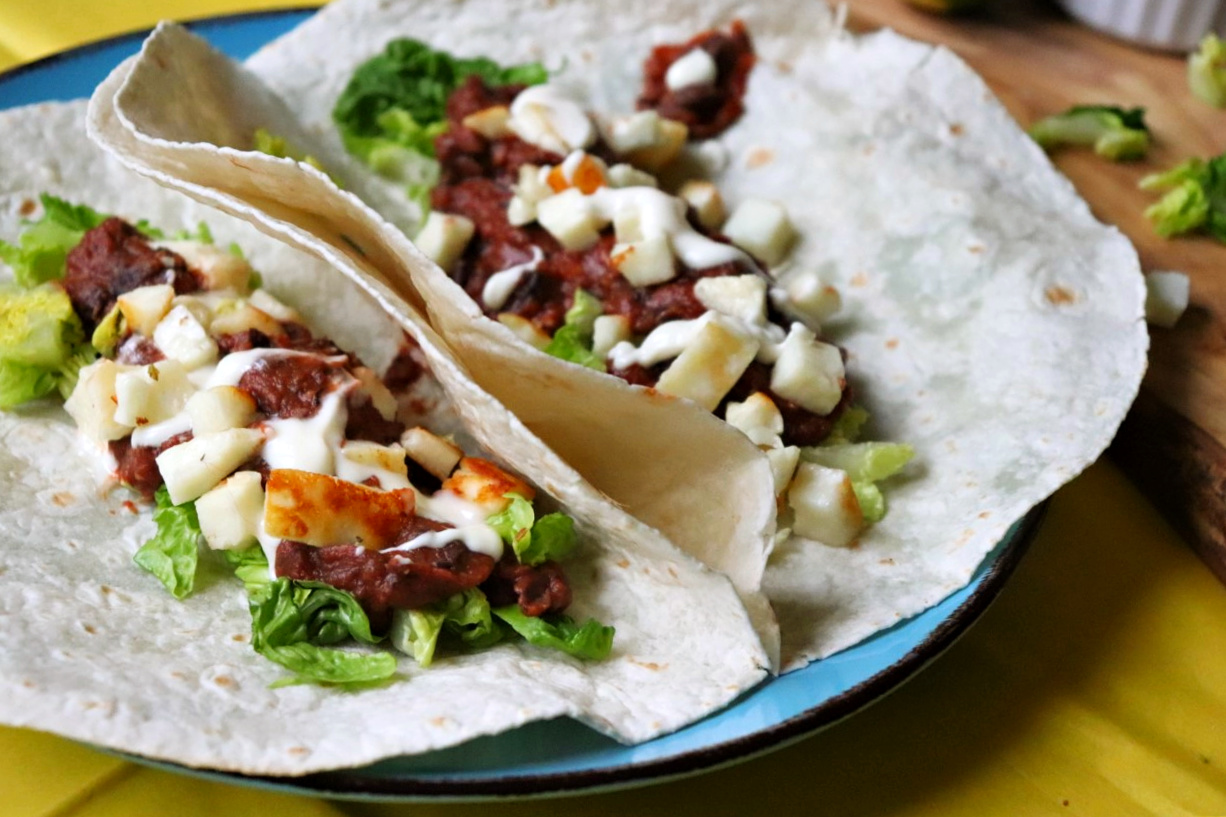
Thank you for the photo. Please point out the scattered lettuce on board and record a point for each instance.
(1115, 133)
(1194, 198)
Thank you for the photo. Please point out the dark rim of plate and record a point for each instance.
(357, 784)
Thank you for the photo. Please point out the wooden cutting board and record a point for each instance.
(1173, 443)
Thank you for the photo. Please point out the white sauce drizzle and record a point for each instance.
(697, 67)
(155, 434)
(501, 284)
(478, 538)
(663, 215)
(668, 340)
(546, 117)
(309, 444)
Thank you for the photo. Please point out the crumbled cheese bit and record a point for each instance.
(708, 204)
(144, 307)
(761, 228)
(262, 300)
(150, 394)
(220, 408)
(1166, 297)
(432, 452)
(696, 67)
(710, 365)
(546, 117)
(645, 263)
(824, 505)
(181, 336)
(492, 123)
(570, 219)
(218, 268)
(92, 402)
(807, 297)
(192, 468)
(624, 175)
(524, 329)
(443, 238)
(740, 296)
(607, 332)
(808, 372)
(230, 513)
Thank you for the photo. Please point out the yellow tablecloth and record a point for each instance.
(1096, 685)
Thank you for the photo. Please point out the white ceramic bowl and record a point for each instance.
(1175, 25)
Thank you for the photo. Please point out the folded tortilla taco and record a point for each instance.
(355, 553)
(989, 321)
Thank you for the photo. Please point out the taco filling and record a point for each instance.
(589, 238)
(264, 441)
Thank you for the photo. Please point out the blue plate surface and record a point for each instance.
(561, 756)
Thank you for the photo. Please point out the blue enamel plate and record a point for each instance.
(562, 756)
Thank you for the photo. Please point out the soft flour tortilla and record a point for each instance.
(990, 320)
(93, 648)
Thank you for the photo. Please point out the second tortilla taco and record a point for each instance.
(971, 273)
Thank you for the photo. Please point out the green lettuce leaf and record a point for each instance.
(394, 106)
(292, 622)
(573, 341)
(592, 641)
(41, 252)
(1115, 133)
(1195, 199)
(464, 619)
(251, 566)
(1207, 71)
(533, 540)
(173, 552)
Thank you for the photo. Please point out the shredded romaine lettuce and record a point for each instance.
(1195, 198)
(533, 540)
(865, 464)
(173, 553)
(293, 622)
(39, 255)
(394, 106)
(1115, 133)
(1207, 71)
(573, 341)
(591, 641)
(465, 618)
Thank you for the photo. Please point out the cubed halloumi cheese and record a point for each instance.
(758, 411)
(322, 510)
(824, 505)
(570, 218)
(710, 365)
(783, 462)
(761, 228)
(607, 332)
(144, 307)
(362, 459)
(633, 131)
(373, 388)
(492, 122)
(645, 263)
(1166, 297)
(432, 452)
(524, 329)
(740, 296)
(485, 484)
(704, 197)
(219, 409)
(181, 336)
(670, 137)
(150, 394)
(230, 513)
(92, 402)
(192, 468)
(808, 371)
(811, 299)
(270, 305)
(695, 67)
(624, 175)
(443, 238)
(240, 318)
(218, 268)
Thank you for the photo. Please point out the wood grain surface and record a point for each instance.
(1038, 61)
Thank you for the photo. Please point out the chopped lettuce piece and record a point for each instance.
(573, 341)
(173, 553)
(1115, 133)
(465, 617)
(865, 464)
(1195, 198)
(203, 233)
(533, 540)
(40, 254)
(108, 332)
(1207, 71)
(42, 343)
(266, 142)
(251, 566)
(395, 105)
(848, 427)
(592, 641)
(292, 622)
